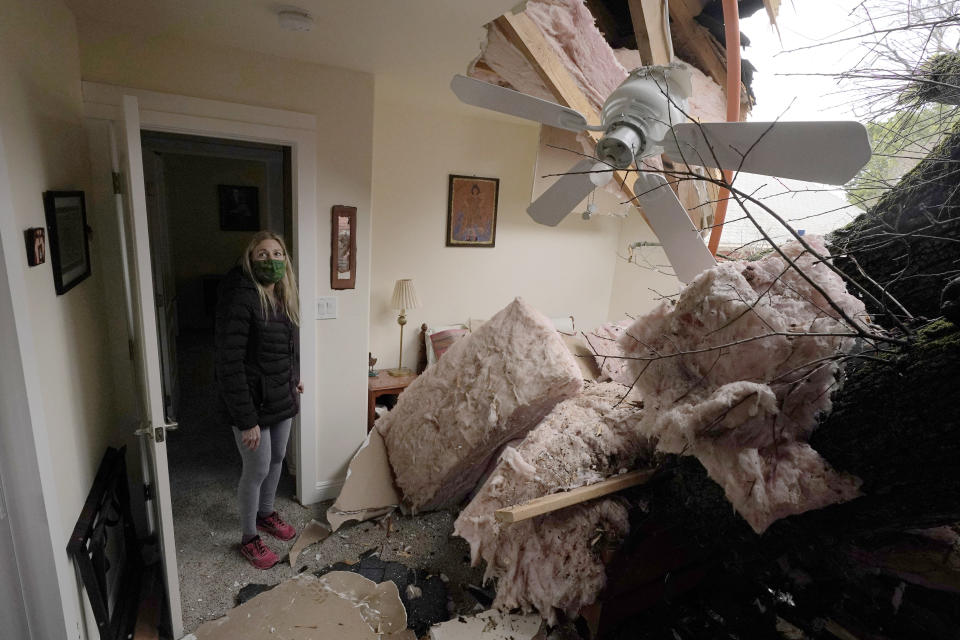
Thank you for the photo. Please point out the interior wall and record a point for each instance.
(642, 280)
(342, 102)
(560, 271)
(40, 116)
(199, 248)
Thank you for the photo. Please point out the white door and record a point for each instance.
(154, 426)
(164, 288)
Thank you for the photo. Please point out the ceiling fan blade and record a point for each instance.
(514, 103)
(825, 152)
(680, 239)
(556, 202)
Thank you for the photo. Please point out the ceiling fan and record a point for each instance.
(644, 117)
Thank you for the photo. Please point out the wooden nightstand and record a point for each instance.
(382, 384)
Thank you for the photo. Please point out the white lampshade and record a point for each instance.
(405, 296)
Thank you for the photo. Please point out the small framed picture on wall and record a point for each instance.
(472, 211)
(239, 208)
(66, 214)
(35, 239)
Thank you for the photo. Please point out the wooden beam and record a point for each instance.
(557, 501)
(651, 27)
(526, 36)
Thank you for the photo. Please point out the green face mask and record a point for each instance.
(269, 271)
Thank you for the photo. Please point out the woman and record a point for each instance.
(258, 381)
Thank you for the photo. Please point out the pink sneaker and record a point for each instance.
(275, 526)
(258, 554)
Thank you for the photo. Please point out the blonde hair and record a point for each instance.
(285, 295)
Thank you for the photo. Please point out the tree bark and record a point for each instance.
(908, 242)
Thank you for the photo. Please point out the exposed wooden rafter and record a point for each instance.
(526, 36)
(650, 26)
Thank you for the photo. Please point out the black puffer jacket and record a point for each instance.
(257, 361)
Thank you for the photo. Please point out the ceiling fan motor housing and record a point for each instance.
(640, 112)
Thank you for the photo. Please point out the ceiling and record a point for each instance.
(419, 37)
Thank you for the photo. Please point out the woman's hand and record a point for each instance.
(251, 437)
(300, 387)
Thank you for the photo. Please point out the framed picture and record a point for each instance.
(36, 247)
(343, 248)
(239, 208)
(472, 211)
(66, 214)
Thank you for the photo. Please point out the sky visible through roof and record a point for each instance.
(811, 208)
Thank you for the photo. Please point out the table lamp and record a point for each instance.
(404, 298)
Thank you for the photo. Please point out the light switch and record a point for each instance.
(326, 308)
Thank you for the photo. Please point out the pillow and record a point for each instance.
(428, 343)
(443, 340)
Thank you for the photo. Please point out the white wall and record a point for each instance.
(343, 104)
(639, 285)
(62, 339)
(560, 271)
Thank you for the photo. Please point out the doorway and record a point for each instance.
(205, 197)
(117, 118)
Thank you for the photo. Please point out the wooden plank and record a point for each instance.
(651, 27)
(526, 36)
(557, 501)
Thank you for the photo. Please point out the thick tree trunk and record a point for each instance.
(908, 242)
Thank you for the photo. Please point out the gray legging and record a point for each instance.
(261, 474)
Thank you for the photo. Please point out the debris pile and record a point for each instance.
(737, 372)
(549, 563)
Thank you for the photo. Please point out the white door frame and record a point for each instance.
(212, 118)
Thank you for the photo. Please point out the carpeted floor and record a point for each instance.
(204, 469)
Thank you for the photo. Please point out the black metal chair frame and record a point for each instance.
(106, 513)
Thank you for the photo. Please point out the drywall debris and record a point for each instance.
(337, 605)
(413, 592)
(428, 608)
(492, 386)
(727, 375)
(313, 532)
(548, 563)
(490, 625)
(368, 490)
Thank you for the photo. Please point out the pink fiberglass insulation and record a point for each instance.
(744, 396)
(548, 563)
(492, 386)
(571, 29)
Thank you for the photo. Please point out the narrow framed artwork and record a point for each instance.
(343, 247)
(66, 214)
(36, 247)
(239, 207)
(472, 211)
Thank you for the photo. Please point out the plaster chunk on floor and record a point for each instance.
(548, 563)
(746, 410)
(337, 605)
(491, 387)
